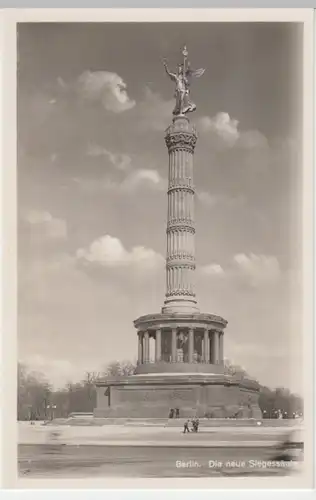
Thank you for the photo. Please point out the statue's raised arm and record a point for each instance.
(182, 90)
(173, 76)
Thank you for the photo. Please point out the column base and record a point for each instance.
(180, 305)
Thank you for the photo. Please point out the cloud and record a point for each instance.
(105, 87)
(118, 160)
(135, 180)
(223, 126)
(153, 112)
(37, 217)
(109, 251)
(226, 129)
(251, 139)
(52, 227)
(212, 200)
(258, 269)
(57, 371)
(254, 270)
(144, 177)
(97, 185)
(212, 269)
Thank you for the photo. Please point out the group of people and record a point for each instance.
(174, 413)
(194, 425)
(190, 425)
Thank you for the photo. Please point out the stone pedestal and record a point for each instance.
(153, 395)
(188, 373)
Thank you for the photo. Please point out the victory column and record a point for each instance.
(186, 370)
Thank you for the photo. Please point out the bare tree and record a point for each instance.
(119, 368)
(89, 383)
(34, 394)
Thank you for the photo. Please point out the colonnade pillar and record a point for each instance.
(140, 348)
(158, 346)
(221, 348)
(215, 347)
(206, 357)
(190, 345)
(212, 345)
(174, 345)
(146, 347)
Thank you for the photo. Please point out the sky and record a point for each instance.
(93, 104)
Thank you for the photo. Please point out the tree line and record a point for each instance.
(38, 400)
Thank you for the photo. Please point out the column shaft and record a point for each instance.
(206, 347)
(158, 346)
(202, 350)
(221, 348)
(140, 348)
(216, 347)
(174, 345)
(146, 347)
(191, 345)
(180, 254)
(212, 347)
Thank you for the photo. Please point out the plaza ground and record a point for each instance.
(44, 461)
(54, 451)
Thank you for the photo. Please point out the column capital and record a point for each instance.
(216, 331)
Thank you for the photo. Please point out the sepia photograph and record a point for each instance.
(160, 250)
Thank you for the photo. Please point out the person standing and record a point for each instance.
(197, 423)
(186, 426)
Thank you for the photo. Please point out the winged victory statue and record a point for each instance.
(182, 80)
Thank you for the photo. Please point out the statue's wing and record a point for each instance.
(195, 72)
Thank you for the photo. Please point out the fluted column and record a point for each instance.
(202, 350)
(174, 345)
(140, 348)
(146, 347)
(212, 347)
(206, 347)
(158, 346)
(221, 348)
(215, 347)
(190, 345)
(180, 263)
